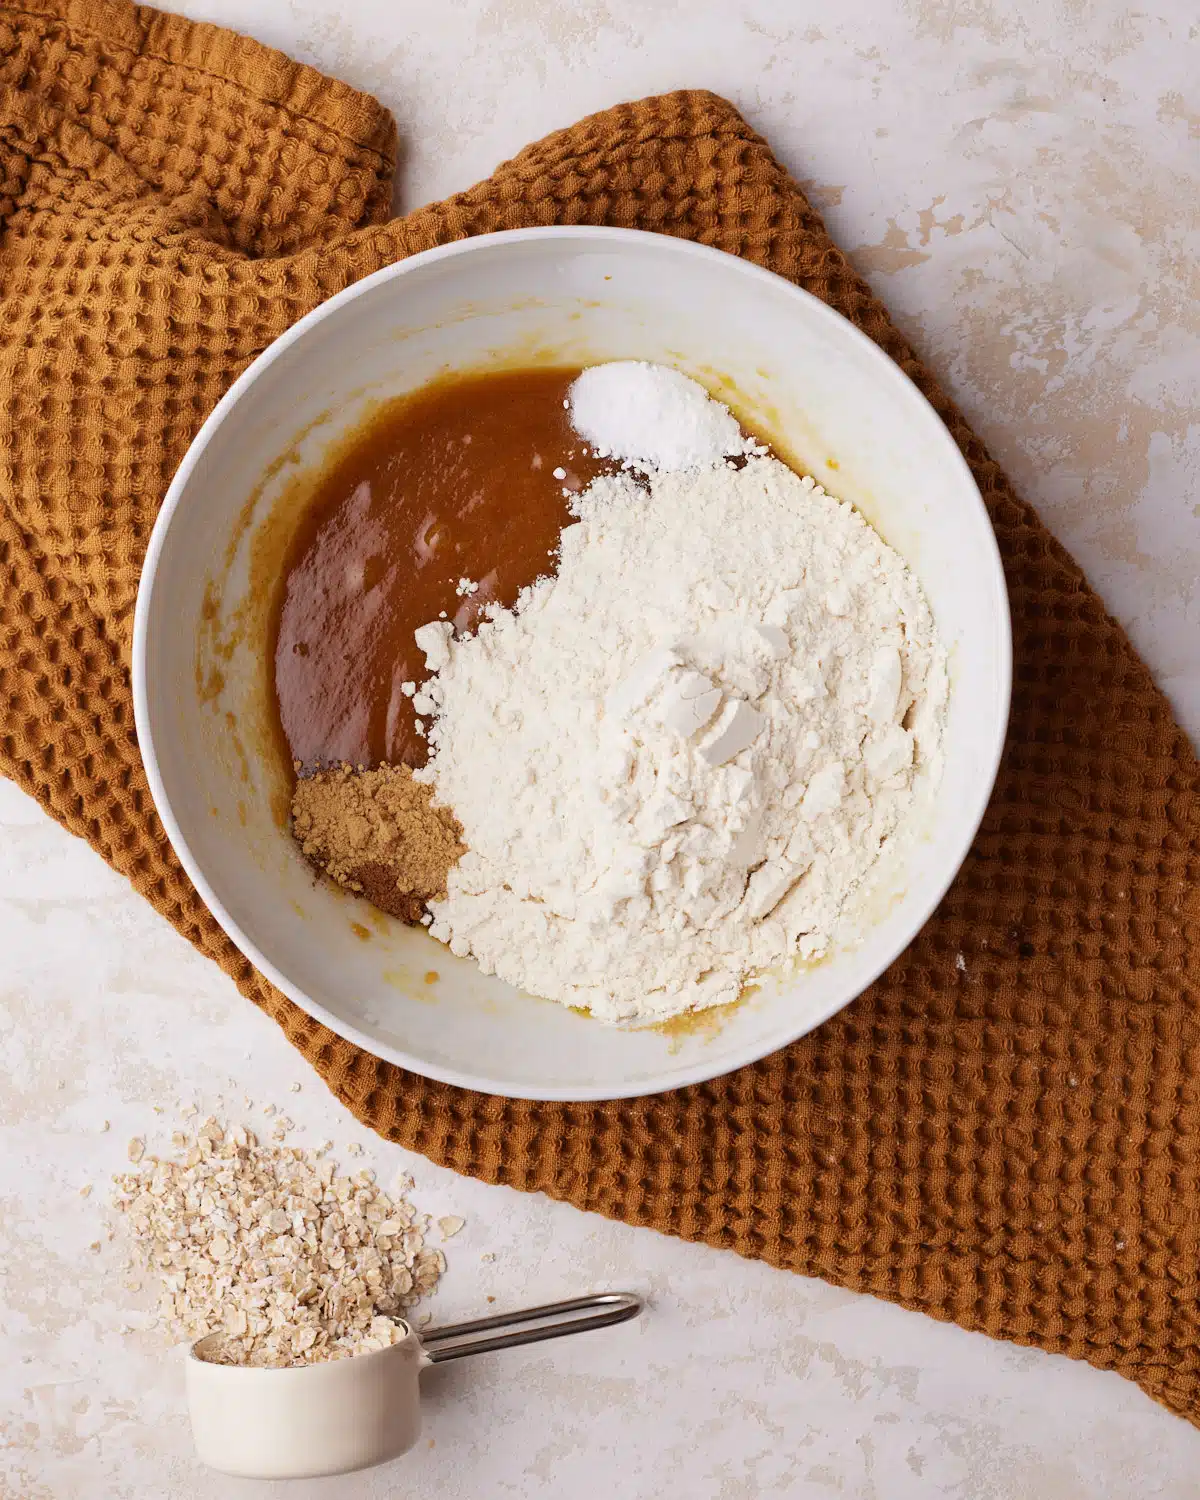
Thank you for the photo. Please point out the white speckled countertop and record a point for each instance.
(1019, 183)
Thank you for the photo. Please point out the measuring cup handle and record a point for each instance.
(555, 1320)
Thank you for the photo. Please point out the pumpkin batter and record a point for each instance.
(459, 483)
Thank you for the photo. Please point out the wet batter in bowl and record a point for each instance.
(443, 502)
(458, 485)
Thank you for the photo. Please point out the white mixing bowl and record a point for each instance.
(796, 371)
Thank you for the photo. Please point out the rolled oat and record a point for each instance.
(267, 1246)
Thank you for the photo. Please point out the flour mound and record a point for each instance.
(676, 761)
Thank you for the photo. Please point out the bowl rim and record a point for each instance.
(707, 1066)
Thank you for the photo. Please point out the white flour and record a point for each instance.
(676, 761)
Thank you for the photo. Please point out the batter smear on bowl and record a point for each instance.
(674, 750)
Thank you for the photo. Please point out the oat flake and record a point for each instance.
(268, 1246)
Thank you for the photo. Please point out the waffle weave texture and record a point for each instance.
(1009, 1141)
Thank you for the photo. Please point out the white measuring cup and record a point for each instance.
(345, 1414)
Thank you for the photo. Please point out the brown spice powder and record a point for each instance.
(379, 834)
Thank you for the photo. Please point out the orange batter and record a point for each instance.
(455, 482)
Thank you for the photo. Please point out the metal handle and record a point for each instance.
(609, 1307)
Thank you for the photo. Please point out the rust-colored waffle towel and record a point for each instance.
(1004, 1130)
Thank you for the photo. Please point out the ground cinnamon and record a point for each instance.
(379, 834)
